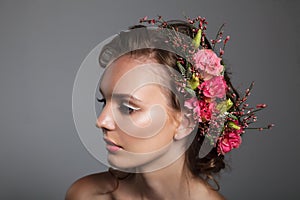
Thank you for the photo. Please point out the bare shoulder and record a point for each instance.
(214, 195)
(92, 187)
(206, 191)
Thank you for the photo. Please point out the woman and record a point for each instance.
(160, 108)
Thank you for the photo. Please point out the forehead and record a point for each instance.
(118, 68)
(128, 74)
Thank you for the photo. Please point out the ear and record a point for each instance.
(186, 126)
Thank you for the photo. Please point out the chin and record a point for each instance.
(144, 162)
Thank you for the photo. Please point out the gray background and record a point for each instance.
(42, 44)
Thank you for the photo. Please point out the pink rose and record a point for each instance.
(207, 61)
(193, 104)
(229, 141)
(215, 87)
(206, 110)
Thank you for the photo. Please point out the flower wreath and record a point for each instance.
(212, 96)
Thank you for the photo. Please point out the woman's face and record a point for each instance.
(136, 121)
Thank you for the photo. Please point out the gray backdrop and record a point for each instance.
(43, 43)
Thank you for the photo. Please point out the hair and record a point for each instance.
(139, 45)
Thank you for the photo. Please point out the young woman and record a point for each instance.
(160, 107)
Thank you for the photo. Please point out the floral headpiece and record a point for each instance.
(213, 99)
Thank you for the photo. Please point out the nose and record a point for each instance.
(105, 119)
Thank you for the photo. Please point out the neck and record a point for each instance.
(170, 182)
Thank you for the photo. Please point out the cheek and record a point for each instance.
(145, 123)
(142, 119)
(145, 145)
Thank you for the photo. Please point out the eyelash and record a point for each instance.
(127, 109)
(102, 101)
(124, 108)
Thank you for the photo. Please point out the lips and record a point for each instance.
(112, 146)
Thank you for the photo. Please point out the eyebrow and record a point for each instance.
(122, 96)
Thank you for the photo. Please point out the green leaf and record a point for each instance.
(189, 90)
(233, 125)
(197, 39)
(181, 68)
(232, 116)
(229, 104)
(194, 82)
(222, 107)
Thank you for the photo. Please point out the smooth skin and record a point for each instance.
(171, 182)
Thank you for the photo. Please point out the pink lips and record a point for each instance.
(111, 146)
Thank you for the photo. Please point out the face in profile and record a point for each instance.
(139, 126)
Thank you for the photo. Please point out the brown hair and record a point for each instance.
(140, 46)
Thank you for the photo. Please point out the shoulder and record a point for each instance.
(92, 187)
(206, 191)
(214, 195)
